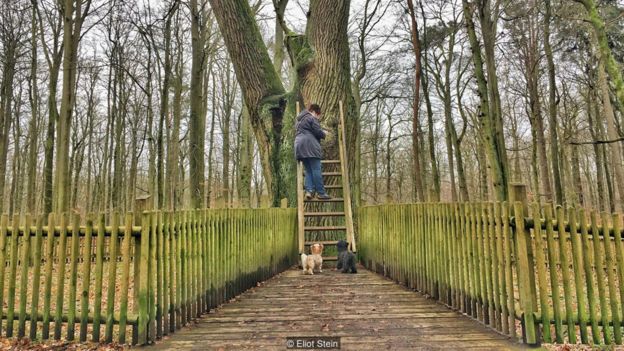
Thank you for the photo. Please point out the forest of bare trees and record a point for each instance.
(192, 102)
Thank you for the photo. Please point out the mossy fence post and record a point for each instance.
(525, 266)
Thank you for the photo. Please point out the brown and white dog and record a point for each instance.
(314, 261)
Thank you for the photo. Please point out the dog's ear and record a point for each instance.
(322, 247)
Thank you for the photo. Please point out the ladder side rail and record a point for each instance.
(300, 203)
(300, 206)
(346, 190)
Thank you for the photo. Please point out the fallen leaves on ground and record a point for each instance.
(14, 344)
(580, 347)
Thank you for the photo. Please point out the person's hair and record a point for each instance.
(315, 108)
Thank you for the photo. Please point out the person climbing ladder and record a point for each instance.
(308, 150)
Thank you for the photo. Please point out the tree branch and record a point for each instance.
(596, 142)
(280, 8)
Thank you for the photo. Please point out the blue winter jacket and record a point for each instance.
(307, 137)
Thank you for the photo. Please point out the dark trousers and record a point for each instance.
(313, 176)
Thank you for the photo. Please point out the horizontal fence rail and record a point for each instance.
(120, 282)
(559, 281)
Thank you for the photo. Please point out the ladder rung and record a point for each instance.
(330, 258)
(333, 199)
(332, 174)
(324, 214)
(336, 186)
(330, 161)
(337, 227)
(308, 243)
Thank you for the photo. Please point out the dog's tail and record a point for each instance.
(304, 258)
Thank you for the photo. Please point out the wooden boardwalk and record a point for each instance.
(366, 310)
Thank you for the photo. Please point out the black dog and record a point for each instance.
(346, 258)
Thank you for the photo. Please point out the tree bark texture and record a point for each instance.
(416, 153)
(492, 139)
(552, 107)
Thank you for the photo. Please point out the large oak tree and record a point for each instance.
(320, 59)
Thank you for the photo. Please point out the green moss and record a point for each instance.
(612, 67)
(300, 50)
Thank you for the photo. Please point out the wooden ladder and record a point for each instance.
(305, 208)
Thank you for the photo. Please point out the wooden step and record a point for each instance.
(324, 214)
(333, 186)
(330, 162)
(308, 243)
(330, 258)
(325, 228)
(329, 174)
(336, 186)
(333, 199)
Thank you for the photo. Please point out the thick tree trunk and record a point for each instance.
(72, 30)
(449, 154)
(225, 151)
(489, 32)
(488, 117)
(33, 130)
(211, 144)
(612, 133)
(416, 152)
(173, 152)
(278, 47)
(48, 166)
(321, 60)
(602, 160)
(389, 198)
(443, 84)
(435, 173)
(516, 171)
(593, 121)
(535, 168)
(575, 165)
(197, 119)
(53, 57)
(16, 169)
(552, 108)
(117, 117)
(6, 110)
(434, 187)
(245, 159)
(325, 77)
(606, 56)
(537, 123)
(262, 88)
(163, 193)
(152, 175)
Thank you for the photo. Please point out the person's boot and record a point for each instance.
(308, 195)
(323, 197)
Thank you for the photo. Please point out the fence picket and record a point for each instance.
(34, 305)
(599, 267)
(86, 279)
(99, 276)
(24, 280)
(12, 275)
(73, 280)
(613, 295)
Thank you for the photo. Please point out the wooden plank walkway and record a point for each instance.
(366, 310)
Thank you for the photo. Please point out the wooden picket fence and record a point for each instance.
(546, 274)
(104, 282)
